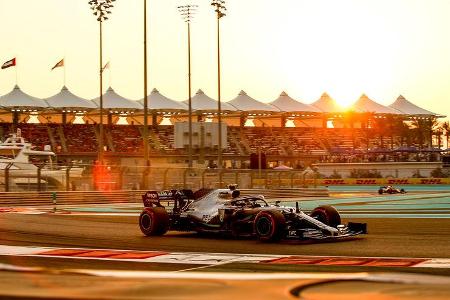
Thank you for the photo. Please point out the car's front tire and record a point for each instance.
(154, 221)
(269, 225)
(327, 214)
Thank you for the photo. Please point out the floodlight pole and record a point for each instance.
(145, 131)
(101, 9)
(190, 95)
(100, 142)
(187, 13)
(220, 11)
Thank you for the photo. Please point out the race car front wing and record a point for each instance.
(343, 231)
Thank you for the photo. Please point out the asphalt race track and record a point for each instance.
(65, 253)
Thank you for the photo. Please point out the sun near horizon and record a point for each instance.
(382, 48)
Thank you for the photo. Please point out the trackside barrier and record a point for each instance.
(68, 198)
(358, 181)
(287, 193)
(52, 199)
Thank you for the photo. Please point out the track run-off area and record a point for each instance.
(66, 248)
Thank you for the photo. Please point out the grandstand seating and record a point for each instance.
(165, 138)
(320, 142)
(31, 132)
(79, 138)
(125, 139)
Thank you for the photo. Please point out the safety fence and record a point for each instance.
(8, 199)
(68, 198)
(119, 178)
(140, 178)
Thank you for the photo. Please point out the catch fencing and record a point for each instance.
(61, 198)
(123, 178)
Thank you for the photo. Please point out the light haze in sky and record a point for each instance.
(383, 48)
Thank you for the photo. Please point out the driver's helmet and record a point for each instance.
(232, 187)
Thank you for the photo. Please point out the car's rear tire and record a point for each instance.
(327, 214)
(380, 191)
(269, 225)
(154, 221)
(402, 191)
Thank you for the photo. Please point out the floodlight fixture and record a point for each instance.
(101, 8)
(187, 14)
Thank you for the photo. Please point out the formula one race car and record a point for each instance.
(224, 211)
(390, 190)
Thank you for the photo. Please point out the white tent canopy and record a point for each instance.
(243, 102)
(66, 99)
(328, 105)
(157, 101)
(203, 102)
(287, 104)
(365, 104)
(112, 100)
(17, 98)
(408, 108)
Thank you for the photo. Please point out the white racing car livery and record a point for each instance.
(224, 211)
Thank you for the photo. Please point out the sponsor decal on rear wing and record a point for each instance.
(153, 198)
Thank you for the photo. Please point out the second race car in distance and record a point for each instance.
(224, 211)
(390, 190)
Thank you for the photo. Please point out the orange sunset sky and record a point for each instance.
(383, 48)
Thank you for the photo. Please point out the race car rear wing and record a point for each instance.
(154, 198)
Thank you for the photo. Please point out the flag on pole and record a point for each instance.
(9, 63)
(59, 64)
(105, 67)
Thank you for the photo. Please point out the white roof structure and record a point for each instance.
(408, 108)
(17, 98)
(157, 101)
(201, 101)
(112, 100)
(66, 99)
(243, 102)
(287, 104)
(365, 104)
(328, 105)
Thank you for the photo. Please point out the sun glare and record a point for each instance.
(344, 98)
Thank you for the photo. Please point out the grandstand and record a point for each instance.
(286, 130)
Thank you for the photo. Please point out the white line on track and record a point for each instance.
(381, 277)
(403, 278)
(204, 260)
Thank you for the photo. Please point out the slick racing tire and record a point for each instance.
(269, 226)
(402, 191)
(154, 221)
(327, 214)
(380, 191)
